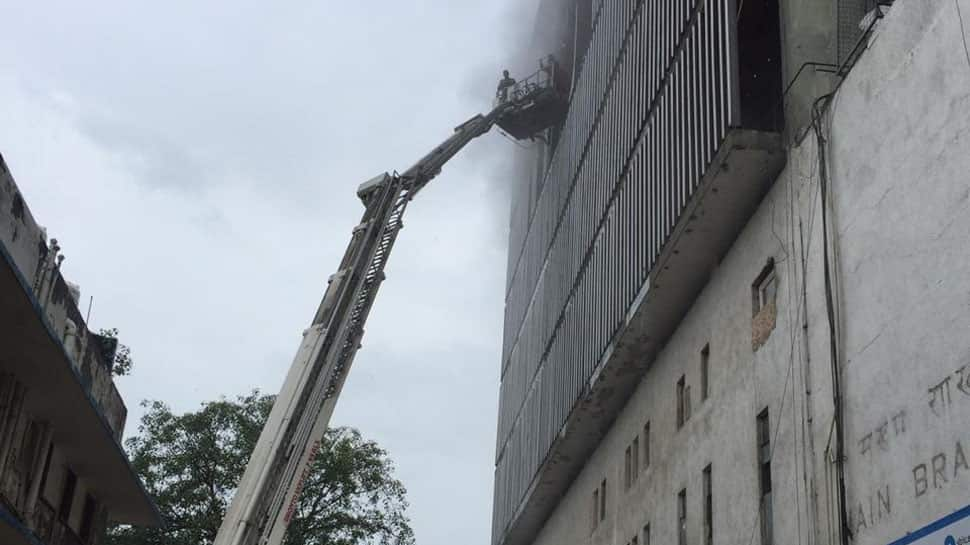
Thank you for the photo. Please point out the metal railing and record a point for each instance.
(852, 24)
(540, 80)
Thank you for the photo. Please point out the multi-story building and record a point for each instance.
(739, 279)
(63, 472)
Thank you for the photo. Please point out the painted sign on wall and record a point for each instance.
(953, 529)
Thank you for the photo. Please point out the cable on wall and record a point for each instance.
(818, 108)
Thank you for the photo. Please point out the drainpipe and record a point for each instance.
(809, 405)
(36, 474)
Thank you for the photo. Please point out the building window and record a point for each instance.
(646, 534)
(646, 445)
(682, 517)
(596, 509)
(67, 495)
(705, 371)
(627, 469)
(635, 541)
(708, 508)
(683, 401)
(764, 477)
(765, 288)
(47, 468)
(635, 456)
(603, 500)
(764, 291)
(87, 519)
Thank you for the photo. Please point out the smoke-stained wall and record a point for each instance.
(653, 98)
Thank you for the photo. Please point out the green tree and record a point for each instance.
(192, 463)
(123, 362)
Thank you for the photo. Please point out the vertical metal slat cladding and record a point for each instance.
(651, 104)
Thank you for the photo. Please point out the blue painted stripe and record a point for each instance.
(934, 526)
(6, 517)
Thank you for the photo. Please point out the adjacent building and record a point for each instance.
(63, 472)
(739, 279)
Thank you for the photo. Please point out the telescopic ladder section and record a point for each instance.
(267, 496)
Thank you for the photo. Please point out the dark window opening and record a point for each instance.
(636, 457)
(646, 445)
(47, 469)
(682, 517)
(603, 500)
(87, 519)
(627, 468)
(646, 534)
(708, 508)
(764, 477)
(705, 372)
(683, 401)
(67, 495)
(764, 289)
(759, 58)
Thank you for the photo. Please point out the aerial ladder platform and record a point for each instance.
(269, 491)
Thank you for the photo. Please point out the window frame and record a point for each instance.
(705, 372)
(603, 500)
(68, 491)
(766, 279)
(635, 447)
(646, 445)
(682, 517)
(708, 483)
(765, 508)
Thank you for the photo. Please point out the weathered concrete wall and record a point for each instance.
(23, 239)
(898, 166)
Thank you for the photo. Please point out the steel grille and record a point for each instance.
(850, 16)
(655, 99)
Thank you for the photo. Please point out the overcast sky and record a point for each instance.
(197, 162)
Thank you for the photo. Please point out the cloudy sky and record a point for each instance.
(198, 161)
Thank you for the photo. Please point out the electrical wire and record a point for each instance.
(801, 302)
(963, 31)
(791, 361)
(817, 108)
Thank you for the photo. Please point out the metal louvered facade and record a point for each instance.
(656, 98)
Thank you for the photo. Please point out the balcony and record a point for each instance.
(58, 363)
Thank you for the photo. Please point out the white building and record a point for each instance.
(63, 473)
(734, 322)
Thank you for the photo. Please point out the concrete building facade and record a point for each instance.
(63, 473)
(737, 280)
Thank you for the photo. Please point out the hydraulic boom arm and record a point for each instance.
(270, 488)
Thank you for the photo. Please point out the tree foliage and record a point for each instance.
(123, 362)
(192, 463)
